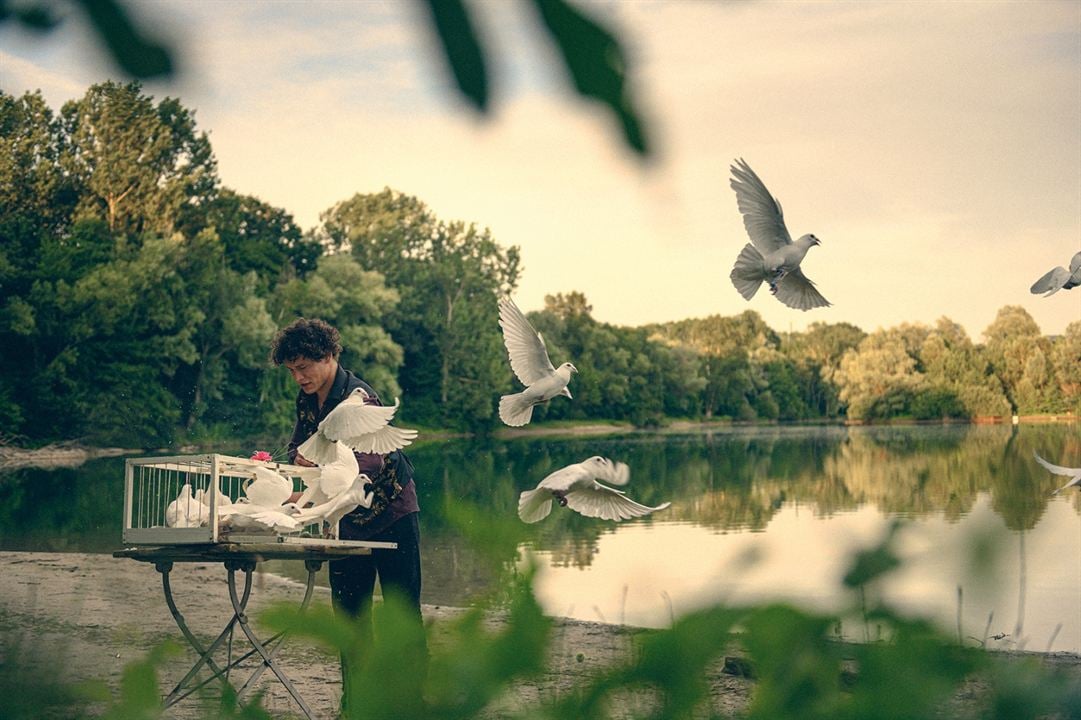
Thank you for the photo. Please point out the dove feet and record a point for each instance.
(562, 500)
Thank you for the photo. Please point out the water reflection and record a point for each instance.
(800, 499)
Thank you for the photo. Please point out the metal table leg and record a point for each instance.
(268, 657)
(205, 655)
(239, 602)
(312, 567)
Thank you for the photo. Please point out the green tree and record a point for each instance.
(954, 364)
(140, 166)
(1011, 340)
(817, 354)
(1066, 359)
(449, 275)
(260, 237)
(877, 377)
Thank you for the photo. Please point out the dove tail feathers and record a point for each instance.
(534, 505)
(749, 271)
(515, 410)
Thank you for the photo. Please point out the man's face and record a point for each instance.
(312, 375)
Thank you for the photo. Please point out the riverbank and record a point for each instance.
(71, 618)
(70, 454)
(55, 455)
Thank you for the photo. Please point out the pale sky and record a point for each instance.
(934, 148)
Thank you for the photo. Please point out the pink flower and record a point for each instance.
(262, 455)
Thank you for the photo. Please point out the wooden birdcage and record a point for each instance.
(153, 484)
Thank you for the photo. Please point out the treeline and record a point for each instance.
(138, 297)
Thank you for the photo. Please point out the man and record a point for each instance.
(310, 350)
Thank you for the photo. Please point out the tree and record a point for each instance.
(449, 275)
(1011, 339)
(952, 363)
(260, 238)
(817, 353)
(139, 166)
(35, 197)
(875, 377)
(1066, 359)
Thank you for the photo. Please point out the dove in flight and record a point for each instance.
(358, 494)
(529, 361)
(1073, 473)
(1059, 278)
(576, 487)
(771, 256)
(326, 481)
(363, 427)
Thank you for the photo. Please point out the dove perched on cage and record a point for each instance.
(267, 488)
(327, 481)
(1073, 473)
(771, 256)
(363, 427)
(1059, 278)
(576, 487)
(529, 361)
(358, 494)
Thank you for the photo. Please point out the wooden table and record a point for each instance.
(243, 557)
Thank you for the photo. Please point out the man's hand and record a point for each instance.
(303, 461)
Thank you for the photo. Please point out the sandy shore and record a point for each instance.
(99, 613)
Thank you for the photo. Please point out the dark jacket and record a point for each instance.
(394, 492)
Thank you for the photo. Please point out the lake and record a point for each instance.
(758, 514)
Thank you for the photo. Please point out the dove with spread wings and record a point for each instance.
(577, 487)
(363, 427)
(771, 256)
(530, 363)
(1073, 473)
(1059, 278)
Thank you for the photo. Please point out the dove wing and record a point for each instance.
(1058, 469)
(525, 347)
(796, 291)
(1051, 282)
(762, 214)
(1075, 262)
(384, 440)
(607, 503)
(352, 419)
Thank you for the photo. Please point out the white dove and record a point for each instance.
(267, 488)
(345, 502)
(529, 361)
(326, 481)
(576, 487)
(771, 256)
(365, 428)
(185, 511)
(1073, 473)
(1059, 278)
(251, 516)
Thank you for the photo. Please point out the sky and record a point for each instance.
(934, 148)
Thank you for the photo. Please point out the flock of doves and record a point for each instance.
(334, 488)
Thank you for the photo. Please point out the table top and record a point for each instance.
(220, 552)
